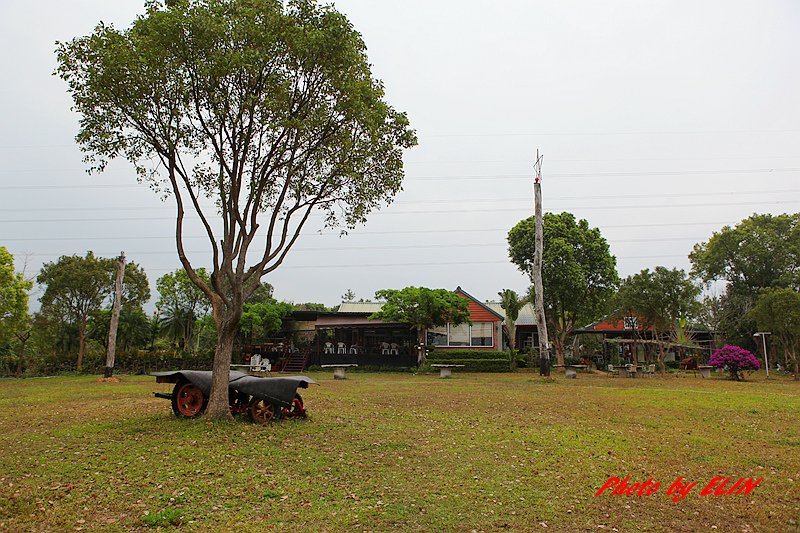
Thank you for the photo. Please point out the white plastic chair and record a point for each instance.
(384, 348)
(395, 349)
(329, 348)
(342, 348)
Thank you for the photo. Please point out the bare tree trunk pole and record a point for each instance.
(112, 328)
(541, 322)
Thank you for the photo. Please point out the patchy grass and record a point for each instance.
(402, 452)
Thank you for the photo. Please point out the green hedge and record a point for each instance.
(438, 355)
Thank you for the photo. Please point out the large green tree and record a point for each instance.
(761, 251)
(76, 286)
(262, 320)
(14, 290)
(662, 300)
(135, 327)
(422, 308)
(266, 108)
(180, 304)
(777, 310)
(579, 274)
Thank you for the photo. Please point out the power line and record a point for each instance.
(418, 212)
(457, 201)
(327, 266)
(677, 173)
(588, 133)
(383, 247)
(508, 134)
(365, 233)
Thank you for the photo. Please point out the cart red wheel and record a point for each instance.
(263, 412)
(188, 401)
(296, 410)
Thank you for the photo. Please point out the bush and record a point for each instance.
(438, 355)
(734, 359)
(473, 360)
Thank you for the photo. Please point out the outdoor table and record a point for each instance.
(338, 370)
(705, 371)
(570, 371)
(445, 371)
(631, 371)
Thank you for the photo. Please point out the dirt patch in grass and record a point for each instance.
(402, 452)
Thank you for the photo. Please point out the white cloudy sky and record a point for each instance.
(659, 121)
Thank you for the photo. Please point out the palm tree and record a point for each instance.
(511, 304)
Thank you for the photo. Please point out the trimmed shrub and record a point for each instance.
(734, 359)
(438, 355)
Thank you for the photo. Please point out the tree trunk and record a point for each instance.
(795, 365)
(81, 342)
(560, 344)
(111, 347)
(662, 354)
(421, 358)
(541, 320)
(23, 340)
(218, 404)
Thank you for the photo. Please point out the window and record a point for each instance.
(459, 335)
(478, 334)
(438, 336)
(631, 322)
(481, 334)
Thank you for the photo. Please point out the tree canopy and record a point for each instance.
(264, 319)
(511, 303)
(760, 251)
(659, 299)
(579, 274)
(422, 308)
(13, 297)
(76, 286)
(180, 304)
(252, 114)
(777, 310)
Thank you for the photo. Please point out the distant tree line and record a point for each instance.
(70, 330)
(743, 279)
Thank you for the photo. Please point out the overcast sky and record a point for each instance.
(659, 123)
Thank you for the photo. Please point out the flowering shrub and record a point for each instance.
(735, 359)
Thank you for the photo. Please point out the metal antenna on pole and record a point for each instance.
(537, 167)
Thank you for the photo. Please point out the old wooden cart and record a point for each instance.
(263, 399)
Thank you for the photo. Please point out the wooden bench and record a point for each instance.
(338, 370)
(446, 371)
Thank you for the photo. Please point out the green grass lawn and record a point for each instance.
(387, 452)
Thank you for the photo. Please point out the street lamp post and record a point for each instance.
(763, 335)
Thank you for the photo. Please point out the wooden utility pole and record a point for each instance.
(112, 328)
(541, 322)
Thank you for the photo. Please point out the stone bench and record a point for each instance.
(446, 371)
(571, 371)
(338, 370)
(705, 371)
